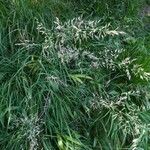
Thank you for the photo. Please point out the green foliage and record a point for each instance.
(74, 75)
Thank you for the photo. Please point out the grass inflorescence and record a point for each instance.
(74, 75)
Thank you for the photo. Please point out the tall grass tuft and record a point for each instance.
(74, 75)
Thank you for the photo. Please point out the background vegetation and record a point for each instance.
(74, 75)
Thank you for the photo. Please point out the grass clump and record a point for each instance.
(74, 78)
